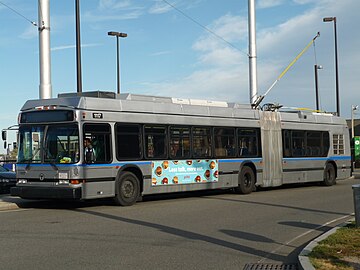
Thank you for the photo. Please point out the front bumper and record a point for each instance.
(46, 192)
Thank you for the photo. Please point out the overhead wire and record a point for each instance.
(18, 13)
(204, 27)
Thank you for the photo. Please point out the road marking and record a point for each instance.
(304, 234)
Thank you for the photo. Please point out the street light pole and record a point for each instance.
(353, 109)
(117, 35)
(316, 67)
(333, 19)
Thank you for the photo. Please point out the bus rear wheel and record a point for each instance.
(246, 181)
(127, 189)
(329, 175)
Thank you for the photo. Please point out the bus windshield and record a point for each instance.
(49, 144)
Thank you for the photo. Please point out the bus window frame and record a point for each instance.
(141, 141)
(234, 129)
(257, 142)
(170, 138)
(193, 154)
(92, 141)
(166, 152)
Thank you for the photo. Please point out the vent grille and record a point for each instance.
(267, 266)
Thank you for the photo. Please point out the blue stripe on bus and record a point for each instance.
(334, 158)
(87, 165)
(239, 160)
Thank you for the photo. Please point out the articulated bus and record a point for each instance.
(151, 145)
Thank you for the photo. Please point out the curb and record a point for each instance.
(304, 261)
(8, 205)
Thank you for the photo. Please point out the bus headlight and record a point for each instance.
(63, 182)
(22, 181)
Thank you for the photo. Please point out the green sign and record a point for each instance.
(357, 147)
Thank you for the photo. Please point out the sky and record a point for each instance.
(184, 48)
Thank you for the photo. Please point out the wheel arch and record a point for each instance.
(136, 171)
(333, 163)
(251, 165)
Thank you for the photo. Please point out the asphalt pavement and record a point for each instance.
(8, 202)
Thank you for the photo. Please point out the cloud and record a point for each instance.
(221, 72)
(210, 84)
(269, 3)
(160, 53)
(114, 4)
(112, 10)
(221, 69)
(162, 6)
(30, 32)
(66, 47)
(216, 51)
(92, 17)
(159, 7)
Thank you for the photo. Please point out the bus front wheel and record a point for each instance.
(329, 175)
(246, 181)
(127, 189)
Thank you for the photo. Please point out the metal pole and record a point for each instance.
(316, 87)
(352, 122)
(252, 52)
(45, 88)
(336, 71)
(356, 194)
(78, 47)
(118, 64)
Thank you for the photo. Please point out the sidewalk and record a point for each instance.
(304, 262)
(303, 259)
(9, 203)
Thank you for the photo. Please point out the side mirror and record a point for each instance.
(3, 135)
(5, 145)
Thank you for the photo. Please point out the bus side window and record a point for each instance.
(128, 141)
(224, 139)
(179, 142)
(248, 142)
(155, 141)
(100, 135)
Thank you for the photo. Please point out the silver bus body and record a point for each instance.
(78, 179)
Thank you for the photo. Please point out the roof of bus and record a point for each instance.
(109, 101)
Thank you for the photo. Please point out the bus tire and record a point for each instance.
(127, 189)
(246, 181)
(329, 175)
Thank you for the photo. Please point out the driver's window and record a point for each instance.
(97, 143)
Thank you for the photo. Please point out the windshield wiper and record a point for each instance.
(52, 163)
(31, 159)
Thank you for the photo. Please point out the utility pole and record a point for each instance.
(252, 52)
(78, 47)
(45, 88)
